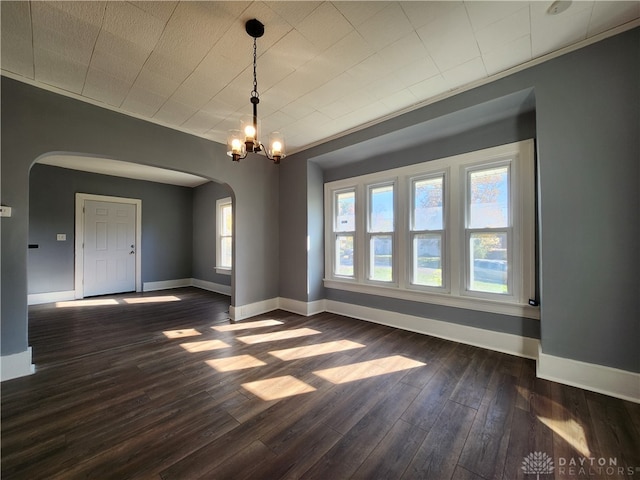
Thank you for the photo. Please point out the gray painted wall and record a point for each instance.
(293, 230)
(166, 225)
(36, 122)
(507, 130)
(204, 232)
(315, 227)
(587, 119)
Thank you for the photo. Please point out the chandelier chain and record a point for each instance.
(254, 93)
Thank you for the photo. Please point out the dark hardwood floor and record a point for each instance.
(163, 385)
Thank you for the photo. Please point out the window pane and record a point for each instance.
(489, 263)
(344, 255)
(381, 258)
(427, 204)
(381, 209)
(489, 198)
(225, 252)
(427, 260)
(227, 219)
(345, 220)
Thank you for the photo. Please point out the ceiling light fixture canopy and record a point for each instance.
(244, 141)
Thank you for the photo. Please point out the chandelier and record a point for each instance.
(244, 141)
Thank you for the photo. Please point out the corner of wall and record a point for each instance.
(16, 365)
(589, 376)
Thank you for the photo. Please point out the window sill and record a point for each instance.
(469, 303)
(223, 271)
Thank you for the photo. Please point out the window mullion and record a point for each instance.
(455, 223)
(360, 234)
(402, 254)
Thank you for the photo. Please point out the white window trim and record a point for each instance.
(445, 288)
(368, 234)
(454, 294)
(220, 203)
(334, 234)
(513, 228)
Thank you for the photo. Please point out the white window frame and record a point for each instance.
(369, 234)
(520, 157)
(222, 203)
(412, 232)
(513, 285)
(335, 233)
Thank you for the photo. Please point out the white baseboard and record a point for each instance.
(489, 339)
(305, 309)
(589, 376)
(211, 286)
(166, 284)
(240, 312)
(16, 365)
(50, 297)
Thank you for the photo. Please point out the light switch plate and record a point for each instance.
(5, 211)
(61, 237)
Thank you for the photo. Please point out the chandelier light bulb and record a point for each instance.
(250, 132)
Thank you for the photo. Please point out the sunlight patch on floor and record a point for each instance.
(313, 350)
(240, 362)
(247, 325)
(571, 432)
(166, 298)
(87, 303)
(279, 387)
(558, 419)
(185, 332)
(204, 346)
(283, 335)
(368, 369)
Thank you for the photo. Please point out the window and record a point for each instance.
(488, 231)
(224, 234)
(427, 231)
(344, 233)
(380, 229)
(457, 231)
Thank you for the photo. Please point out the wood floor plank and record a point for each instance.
(615, 432)
(394, 452)
(429, 403)
(438, 455)
(351, 451)
(486, 450)
(299, 452)
(461, 473)
(175, 390)
(471, 387)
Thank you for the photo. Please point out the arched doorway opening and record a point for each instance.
(176, 220)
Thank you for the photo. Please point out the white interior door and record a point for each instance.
(109, 247)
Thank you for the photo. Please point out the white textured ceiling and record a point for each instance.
(324, 68)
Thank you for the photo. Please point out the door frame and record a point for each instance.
(79, 234)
